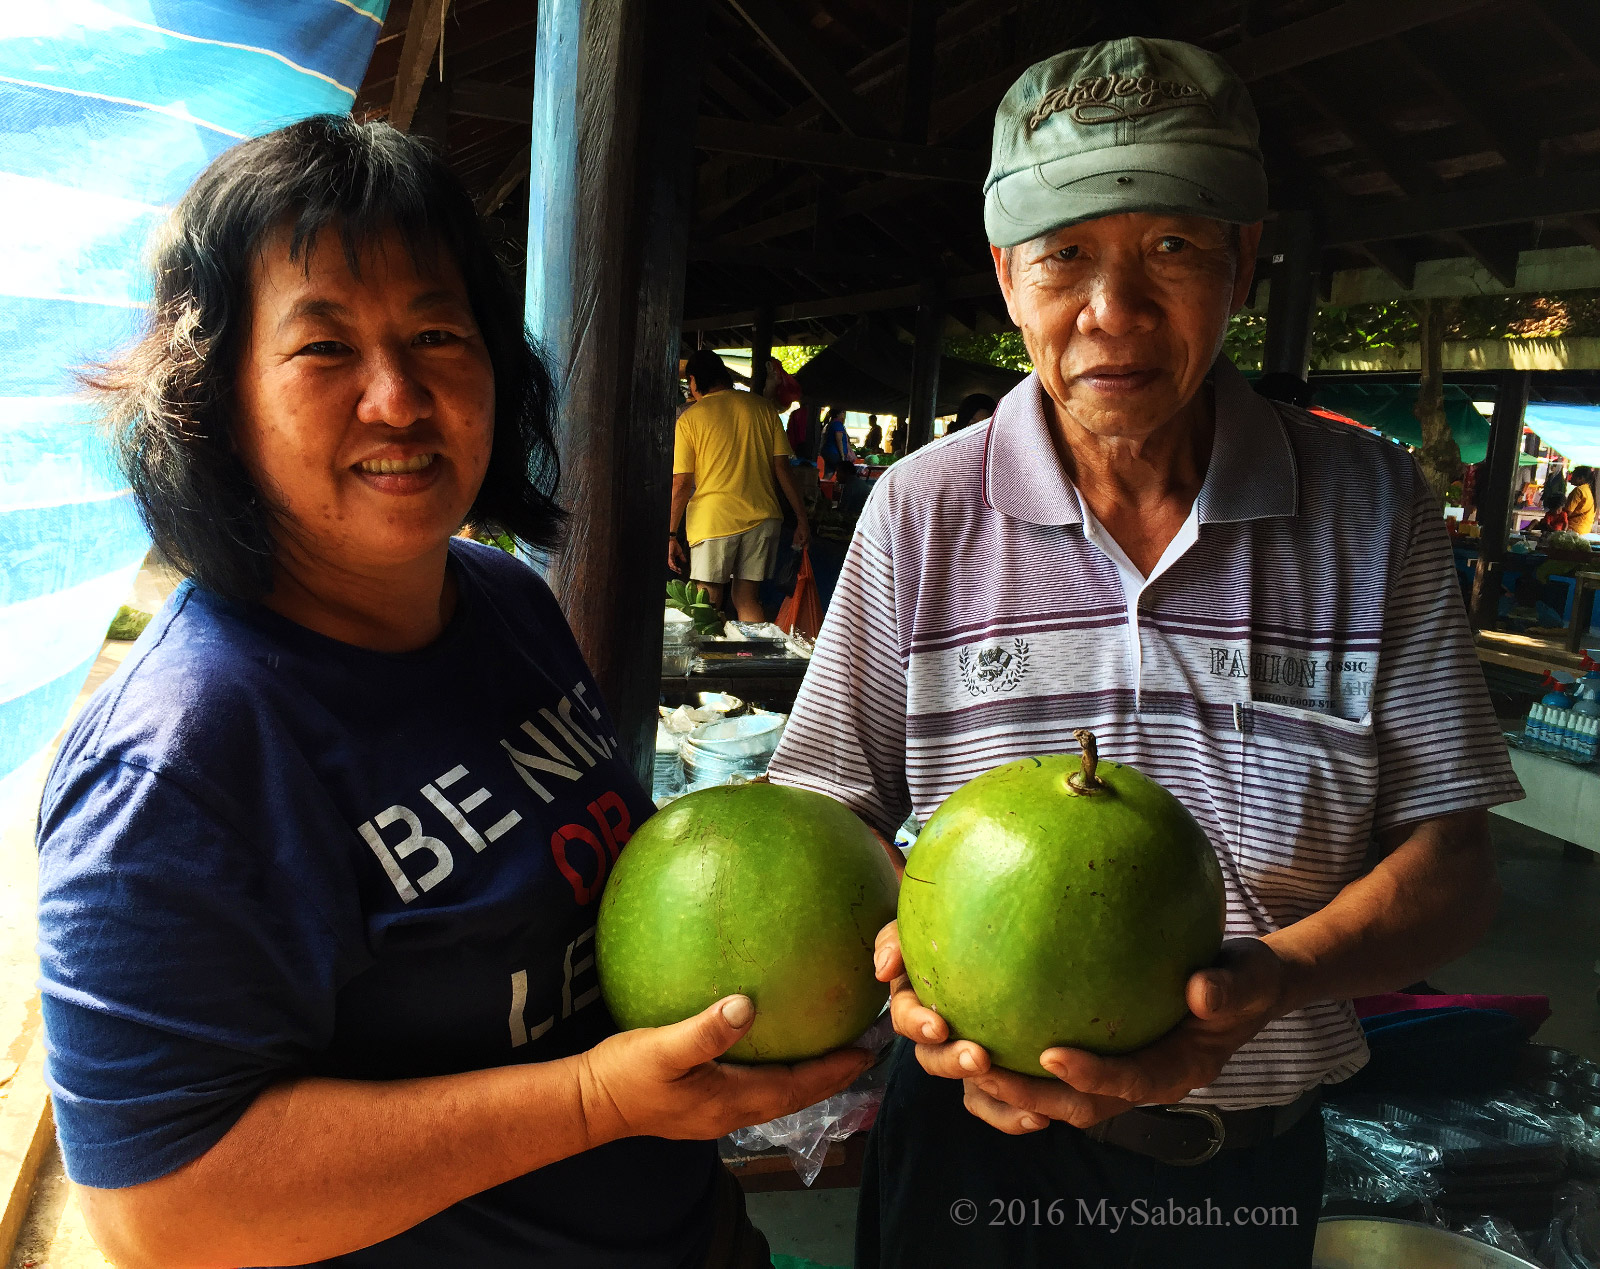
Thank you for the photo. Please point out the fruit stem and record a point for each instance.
(1084, 779)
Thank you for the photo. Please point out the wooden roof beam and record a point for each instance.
(1498, 259)
(1585, 227)
(1400, 267)
(828, 149)
(792, 44)
(835, 263)
(424, 28)
(1551, 197)
(1574, 27)
(504, 185)
(482, 100)
(970, 287)
(1337, 30)
(1461, 92)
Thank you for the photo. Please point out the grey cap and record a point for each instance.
(1126, 126)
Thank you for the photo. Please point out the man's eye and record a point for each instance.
(323, 348)
(1067, 253)
(433, 338)
(1171, 244)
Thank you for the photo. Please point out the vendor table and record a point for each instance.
(1563, 800)
(766, 691)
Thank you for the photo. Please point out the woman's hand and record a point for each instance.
(938, 1054)
(666, 1082)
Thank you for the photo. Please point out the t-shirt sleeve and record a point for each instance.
(846, 737)
(1440, 749)
(183, 970)
(683, 447)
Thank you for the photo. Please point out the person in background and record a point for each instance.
(1579, 506)
(836, 447)
(729, 452)
(872, 443)
(891, 436)
(319, 866)
(1555, 489)
(853, 491)
(973, 409)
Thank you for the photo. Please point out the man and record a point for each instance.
(729, 450)
(1252, 605)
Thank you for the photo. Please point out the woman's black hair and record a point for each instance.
(971, 406)
(170, 397)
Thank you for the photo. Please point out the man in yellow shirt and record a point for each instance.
(729, 452)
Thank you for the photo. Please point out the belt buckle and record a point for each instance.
(1218, 1132)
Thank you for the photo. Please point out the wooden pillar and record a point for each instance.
(1292, 301)
(615, 90)
(761, 348)
(925, 373)
(1494, 492)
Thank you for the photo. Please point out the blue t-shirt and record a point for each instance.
(265, 854)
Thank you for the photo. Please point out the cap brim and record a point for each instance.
(1179, 179)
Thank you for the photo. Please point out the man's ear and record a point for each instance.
(1002, 271)
(1245, 267)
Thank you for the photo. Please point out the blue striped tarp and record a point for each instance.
(108, 109)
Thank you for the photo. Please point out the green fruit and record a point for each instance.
(1034, 914)
(774, 892)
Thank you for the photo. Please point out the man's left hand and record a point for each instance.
(802, 536)
(1228, 1004)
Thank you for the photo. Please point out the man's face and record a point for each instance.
(1123, 316)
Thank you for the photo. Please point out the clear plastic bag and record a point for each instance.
(1383, 1146)
(1573, 1239)
(1497, 1232)
(806, 1133)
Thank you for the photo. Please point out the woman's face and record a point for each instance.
(365, 403)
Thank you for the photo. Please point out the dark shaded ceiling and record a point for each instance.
(842, 142)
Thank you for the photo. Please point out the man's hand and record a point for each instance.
(1228, 1004)
(938, 1054)
(677, 557)
(666, 1082)
(802, 535)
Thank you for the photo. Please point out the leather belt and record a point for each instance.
(1189, 1133)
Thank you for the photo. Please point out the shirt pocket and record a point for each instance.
(1307, 790)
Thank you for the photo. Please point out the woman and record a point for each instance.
(1579, 507)
(836, 446)
(320, 864)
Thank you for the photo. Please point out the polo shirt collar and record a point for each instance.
(1251, 475)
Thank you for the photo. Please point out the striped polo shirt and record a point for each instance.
(1301, 675)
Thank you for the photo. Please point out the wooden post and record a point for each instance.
(925, 373)
(1292, 301)
(1494, 494)
(616, 83)
(761, 348)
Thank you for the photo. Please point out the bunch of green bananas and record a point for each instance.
(689, 598)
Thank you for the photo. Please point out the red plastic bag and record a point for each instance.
(801, 613)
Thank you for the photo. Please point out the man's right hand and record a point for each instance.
(938, 1054)
(666, 1081)
(677, 557)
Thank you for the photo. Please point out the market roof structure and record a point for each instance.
(841, 144)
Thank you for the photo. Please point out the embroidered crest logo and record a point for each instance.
(1113, 98)
(994, 669)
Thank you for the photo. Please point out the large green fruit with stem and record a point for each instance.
(1059, 901)
(775, 892)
